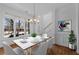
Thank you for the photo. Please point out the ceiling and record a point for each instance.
(41, 8)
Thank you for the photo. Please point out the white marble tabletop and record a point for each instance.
(23, 43)
(26, 43)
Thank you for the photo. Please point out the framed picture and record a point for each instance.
(64, 25)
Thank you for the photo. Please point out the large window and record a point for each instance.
(8, 27)
(15, 28)
(19, 28)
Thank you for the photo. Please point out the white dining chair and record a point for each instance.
(50, 42)
(9, 42)
(12, 51)
(41, 49)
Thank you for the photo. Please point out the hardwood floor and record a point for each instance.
(14, 45)
(1, 51)
(54, 50)
(60, 50)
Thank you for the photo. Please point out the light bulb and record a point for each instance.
(35, 20)
(31, 20)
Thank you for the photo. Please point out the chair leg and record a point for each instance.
(28, 51)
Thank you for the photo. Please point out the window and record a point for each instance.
(15, 30)
(8, 27)
(19, 28)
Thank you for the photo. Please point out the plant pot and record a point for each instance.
(72, 46)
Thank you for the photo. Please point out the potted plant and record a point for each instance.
(33, 34)
(72, 40)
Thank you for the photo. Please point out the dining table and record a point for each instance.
(29, 42)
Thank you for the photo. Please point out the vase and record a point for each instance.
(70, 46)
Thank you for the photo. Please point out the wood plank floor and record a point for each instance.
(60, 50)
(1, 51)
(54, 50)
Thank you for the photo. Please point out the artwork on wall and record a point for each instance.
(64, 25)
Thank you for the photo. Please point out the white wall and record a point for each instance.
(77, 17)
(45, 21)
(1, 15)
(66, 13)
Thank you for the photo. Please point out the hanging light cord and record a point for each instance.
(34, 10)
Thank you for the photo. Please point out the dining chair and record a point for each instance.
(41, 49)
(9, 42)
(50, 42)
(12, 51)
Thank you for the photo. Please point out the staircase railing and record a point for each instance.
(47, 26)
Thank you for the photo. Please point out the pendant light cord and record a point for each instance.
(34, 10)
